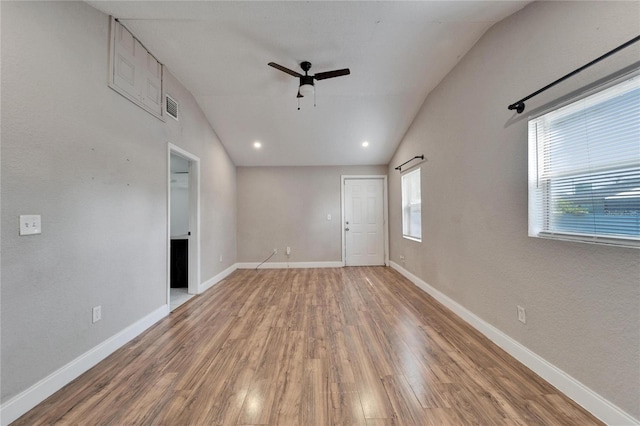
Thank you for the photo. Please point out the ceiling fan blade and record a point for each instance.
(284, 69)
(331, 74)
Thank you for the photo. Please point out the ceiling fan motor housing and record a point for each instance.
(306, 79)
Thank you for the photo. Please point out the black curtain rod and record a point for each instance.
(414, 158)
(519, 105)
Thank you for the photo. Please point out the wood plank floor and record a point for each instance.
(344, 346)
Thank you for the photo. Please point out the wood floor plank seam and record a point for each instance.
(310, 347)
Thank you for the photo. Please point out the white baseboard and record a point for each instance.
(285, 265)
(587, 398)
(216, 279)
(26, 400)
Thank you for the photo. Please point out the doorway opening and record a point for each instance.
(183, 260)
(365, 235)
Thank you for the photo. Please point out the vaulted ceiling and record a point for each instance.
(397, 53)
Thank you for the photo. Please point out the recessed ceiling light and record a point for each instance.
(365, 144)
(257, 145)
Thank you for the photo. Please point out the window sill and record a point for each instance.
(578, 238)
(417, 240)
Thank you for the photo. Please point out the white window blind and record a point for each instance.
(411, 206)
(584, 168)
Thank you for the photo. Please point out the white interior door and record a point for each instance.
(364, 222)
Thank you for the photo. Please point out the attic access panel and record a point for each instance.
(134, 72)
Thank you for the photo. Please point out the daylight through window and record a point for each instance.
(584, 168)
(411, 206)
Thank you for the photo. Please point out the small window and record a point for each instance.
(584, 169)
(411, 206)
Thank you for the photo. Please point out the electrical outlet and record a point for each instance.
(30, 224)
(288, 251)
(329, 216)
(402, 258)
(275, 251)
(522, 315)
(97, 313)
(220, 258)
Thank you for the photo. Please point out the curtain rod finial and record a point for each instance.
(519, 107)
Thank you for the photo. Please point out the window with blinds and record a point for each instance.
(411, 206)
(584, 168)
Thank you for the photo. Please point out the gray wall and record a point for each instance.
(94, 165)
(288, 206)
(582, 300)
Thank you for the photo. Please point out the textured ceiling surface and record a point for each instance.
(397, 53)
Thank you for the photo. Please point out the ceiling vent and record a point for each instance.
(171, 107)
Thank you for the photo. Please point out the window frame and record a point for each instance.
(540, 211)
(404, 203)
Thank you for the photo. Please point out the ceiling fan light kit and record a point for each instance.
(307, 84)
(306, 89)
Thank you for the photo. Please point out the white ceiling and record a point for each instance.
(397, 52)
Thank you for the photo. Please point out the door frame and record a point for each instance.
(194, 219)
(385, 209)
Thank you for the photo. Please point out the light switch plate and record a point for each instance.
(30, 224)
(96, 313)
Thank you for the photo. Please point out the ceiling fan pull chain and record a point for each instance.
(314, 98)
(298, 104)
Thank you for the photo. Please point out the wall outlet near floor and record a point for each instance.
(402, 259)
(97, 313)
(522, 315)
(220, 258)
(275, 251)
(288, 250)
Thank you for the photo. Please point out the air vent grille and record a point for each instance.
(172, 107)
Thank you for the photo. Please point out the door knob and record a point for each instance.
(346, 229)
